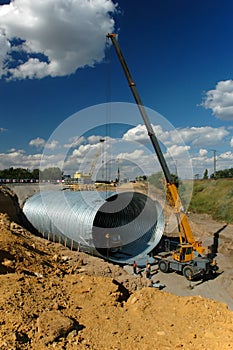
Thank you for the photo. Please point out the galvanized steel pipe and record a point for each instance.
(123, 227)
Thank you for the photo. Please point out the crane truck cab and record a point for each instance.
(183, 253)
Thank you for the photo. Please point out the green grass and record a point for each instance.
(214, 197)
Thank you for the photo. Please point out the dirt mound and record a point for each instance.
(52, 297)
(9, 204)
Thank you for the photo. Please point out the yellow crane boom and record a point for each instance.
(173, 197)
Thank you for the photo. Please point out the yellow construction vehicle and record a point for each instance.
(188, 257)
(81, 175)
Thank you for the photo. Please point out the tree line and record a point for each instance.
(219, 174)
(55, 173)
(48, 174)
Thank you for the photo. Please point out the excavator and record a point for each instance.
(189, 258)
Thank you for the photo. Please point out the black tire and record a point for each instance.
(188, 272)
(163, 266)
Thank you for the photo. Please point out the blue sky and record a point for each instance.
(53, 65)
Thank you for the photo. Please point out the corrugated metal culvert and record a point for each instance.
(122, 227)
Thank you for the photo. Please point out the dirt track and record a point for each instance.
(54, 298)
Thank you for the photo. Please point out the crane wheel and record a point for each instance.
(163, 266)
(188, 272)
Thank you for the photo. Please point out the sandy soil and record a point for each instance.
(52, 297)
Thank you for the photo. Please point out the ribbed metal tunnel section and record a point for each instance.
(122, 227)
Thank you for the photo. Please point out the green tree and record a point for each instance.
(51, 174)
(175, 180)
(205, 175)
(35, 174)
(141, 178)
(225, 173)
(15, 173)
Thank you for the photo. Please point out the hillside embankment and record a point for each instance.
(213, 197)
(52, 297)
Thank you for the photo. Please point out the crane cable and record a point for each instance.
(107, 114)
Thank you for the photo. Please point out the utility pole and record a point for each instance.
(176, 162)
(214, 150)
(101, 154)
(118, 171)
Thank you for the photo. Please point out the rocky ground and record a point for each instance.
(54, 298)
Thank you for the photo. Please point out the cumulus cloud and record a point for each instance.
(75, 142)
(226, 155)
(52, 37)
(184, 148)
(19, 159)
(177, 151)
(4, 48)
(38, 142)
(139, 134)
(203, 152)
(189, 143)
(220, 100)
(200, 136)
(136, 134)
(2, 130)
(95, 139)
(52, 145)
(92, 145)
(82, 150)
(41, 143)
(135, 155)
(138, 162)
(194, 136)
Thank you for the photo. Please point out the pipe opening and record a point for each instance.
(127, 224)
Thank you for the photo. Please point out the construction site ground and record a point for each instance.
(54, 298)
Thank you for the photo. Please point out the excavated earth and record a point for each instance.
(55, 298)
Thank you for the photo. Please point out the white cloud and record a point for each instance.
(93, 148)
(52, 145)
(75, 141)
(19, 159)
(135, 155)
(96, 139)
(68, 34)
(226, 156)
(177, 151)
(2, 130)
(186, 148)
(82, 150)
(82, 157)
(203, 152)
(200, 136)
(139, 134)
(220, 100)
(181, 156)
(38, 142)
(78, 140)
(194, 136)
(4, 47)
(138, 162)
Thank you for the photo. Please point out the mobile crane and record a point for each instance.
(188, 257)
